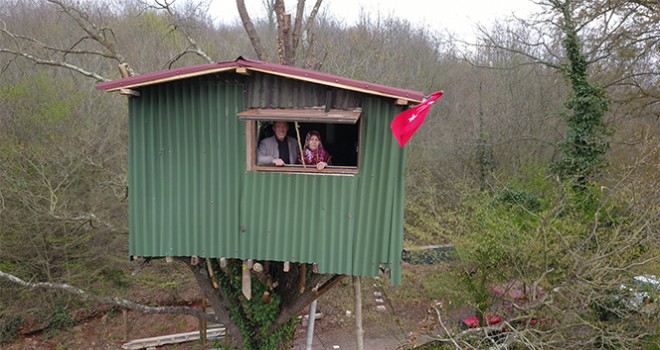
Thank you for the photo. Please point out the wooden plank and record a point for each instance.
(242, 71)
(170, 339)
(246, 281)
(212, 274)
(302, 115)
(250, 127)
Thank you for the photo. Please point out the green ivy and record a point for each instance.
(588, 137)
(253, 317)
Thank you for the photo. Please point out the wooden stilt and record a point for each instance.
(212, 274)
(303, 277)
(247, 281)
(359, 332)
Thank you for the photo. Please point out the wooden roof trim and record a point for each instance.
(173, 77)
(337, 85)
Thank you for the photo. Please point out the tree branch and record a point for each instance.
(196, 49)
(297, 304)
(53, 63)
(90, 28)
(258, 47)
(123, 303)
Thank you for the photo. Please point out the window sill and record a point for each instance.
(309, 169)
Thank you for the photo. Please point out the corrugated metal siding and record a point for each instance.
(298, 217)
(191, 195)
(379, 221)
(184, 192)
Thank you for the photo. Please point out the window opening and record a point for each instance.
(340, 140)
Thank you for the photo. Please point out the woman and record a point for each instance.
(314, 152)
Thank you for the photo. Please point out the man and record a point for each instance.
(278, 149)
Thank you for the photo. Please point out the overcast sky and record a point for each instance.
(457, 16)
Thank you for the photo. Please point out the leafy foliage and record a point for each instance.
(587, 137)
(254, 316)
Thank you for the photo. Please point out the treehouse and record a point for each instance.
(196, 189)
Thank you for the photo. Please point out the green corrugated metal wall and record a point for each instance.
(191, 195)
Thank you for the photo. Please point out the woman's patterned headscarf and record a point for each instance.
(313, 157)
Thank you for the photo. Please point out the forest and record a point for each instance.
(539, 164)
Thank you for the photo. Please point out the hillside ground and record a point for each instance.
(388, 322)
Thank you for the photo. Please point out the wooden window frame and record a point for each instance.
(251, 116)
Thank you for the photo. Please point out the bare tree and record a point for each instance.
(289, 33)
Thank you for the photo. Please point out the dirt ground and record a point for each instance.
(390, 315)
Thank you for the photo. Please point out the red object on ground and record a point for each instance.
(473, 322)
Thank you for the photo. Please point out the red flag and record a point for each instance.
(406, 123)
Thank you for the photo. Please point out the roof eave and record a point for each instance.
(405, 96)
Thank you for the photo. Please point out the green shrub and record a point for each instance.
(9, 328)
(59, 319)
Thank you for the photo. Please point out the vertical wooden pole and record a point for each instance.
(125, 316)
(310, 325)
(303, 277)
(247, 279)
(204, 324)
(359, 332)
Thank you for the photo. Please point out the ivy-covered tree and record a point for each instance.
(587, 135)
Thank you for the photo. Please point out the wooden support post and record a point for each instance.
(359, 332)
(303, 277)
(246, 284)
(209, 267)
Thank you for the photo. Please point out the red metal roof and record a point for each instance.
(271, 68)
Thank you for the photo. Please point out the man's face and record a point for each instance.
(280, 129)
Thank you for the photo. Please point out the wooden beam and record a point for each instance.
(303, 277)
(246, 282)
(242, 71)
(194, 260)
(212, 274)
(129, 92)
(401, 102)
(123, 71)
